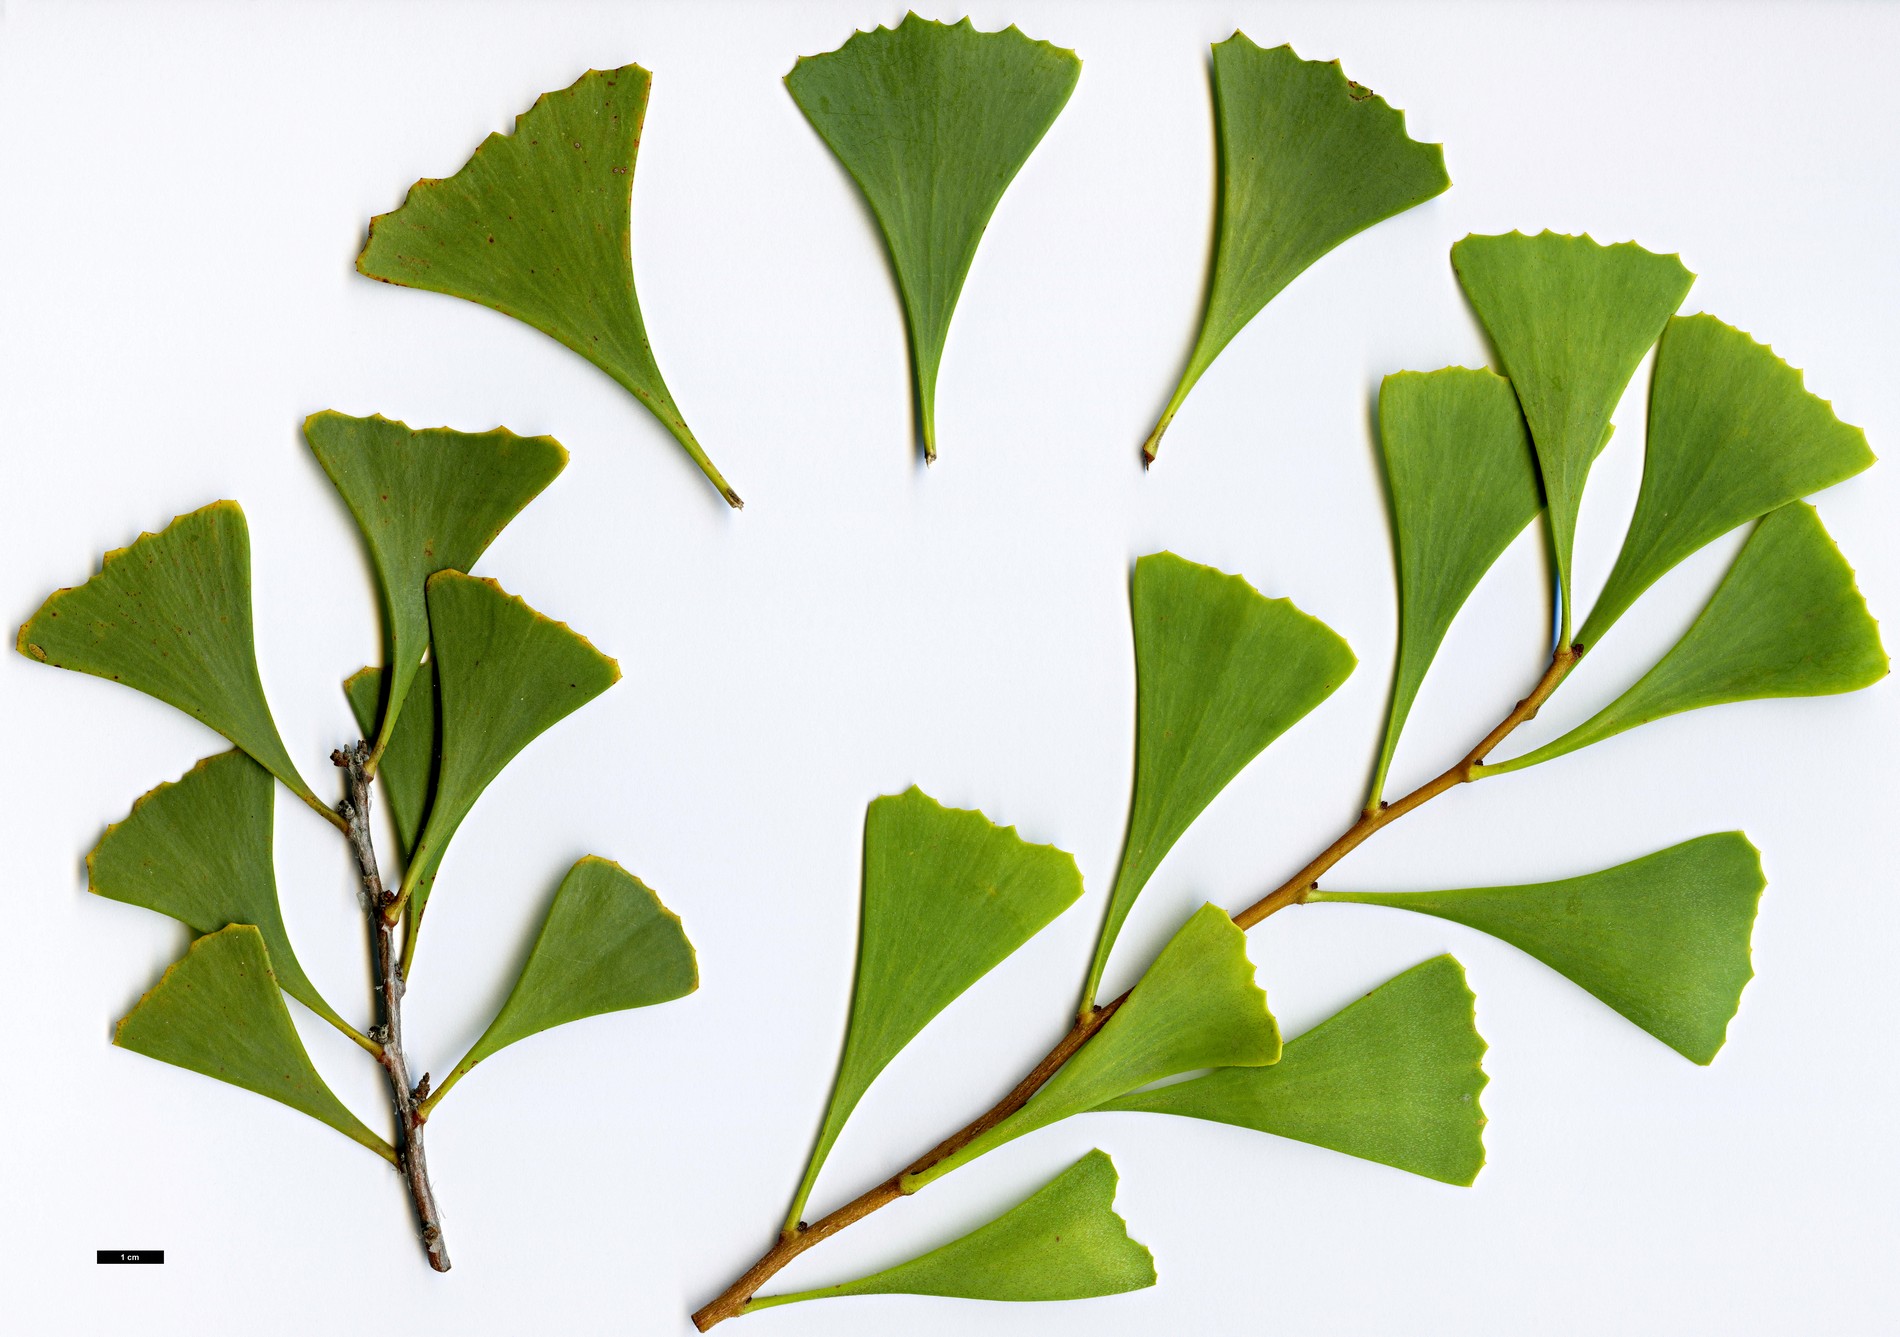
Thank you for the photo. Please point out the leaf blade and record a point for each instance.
(1787, 620)
(1393, 1078)
(1308, 159)
(425, 501)
(1221, 671)
(1734, 433)
(1663, 939)
(948, 896)
(217, 1011)
(1063, 1242)
(538, 225)
(933, 121)
(1570, 320)
(170, 615)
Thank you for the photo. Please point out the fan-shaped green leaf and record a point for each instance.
(1220, 672)
(408, 769)
(1196, 1007)
(1662, 939)
(505, 675)
(426, 501)
(1063, 1242)
(1570, 320)
(948, 896)
(171, 616)
(199, 849)
(1463, 482)
(217, 1011)
(1733, 434)
(607, 945)
(933, 121)
(539, 226)
(1308, 158)
(1786, 620)
(1393, 1078)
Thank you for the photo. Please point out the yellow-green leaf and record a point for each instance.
(1787, 620)
(1196, 1007)
(217, 1011)
(539, 226)
(1393, 1078)
(1063, 1242)
(1463, 483)
(171, 616)
(1308, 158)
(948, 895)
(1220, 672)
(199, 849)
(933, 121)
(1733, 434)
(504, 675)
(408, 768)
(607, 945)
(426, 501)
(1662, 939)
(1570, 319)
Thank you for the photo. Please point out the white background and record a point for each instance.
(186, 188)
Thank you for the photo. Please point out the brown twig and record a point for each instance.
(791, 1243)
(405, 1097)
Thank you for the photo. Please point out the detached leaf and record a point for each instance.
(1786, 620)
(171, 616)
(413, 753)
(1662, 939)
(1220, 672)
(1197, 1007)
(933, 121)
(607, 945)
(1064, 1242)
(539, 226)
(1394, 1078)
(1308, 158)
(217, 1011)
(1463, 481)
(199, 850)
(1733, 434)
(505, 675)
(426, 501)
(948, 895)
(1570, 320)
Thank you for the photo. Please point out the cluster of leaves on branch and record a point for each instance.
(1471, 458)
(471, 675)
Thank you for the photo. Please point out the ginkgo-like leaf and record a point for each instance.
(426, 501)
(1308, 158)
(171, 616)
(408, 769)
(217, 1011)
(1733, 434)
(504, 675)
(1463, 483)
(933, 121)
(1196, 1007)
(1787, 620)
(607, 945)
(539, 226)
(1662, 939)
(948, 895)
(1570, 319)
(199, 849)
(1063, 1242)
(1393, 1078)
(1220, 672)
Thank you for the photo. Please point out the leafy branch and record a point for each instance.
(471, 675)
(1221, 672)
